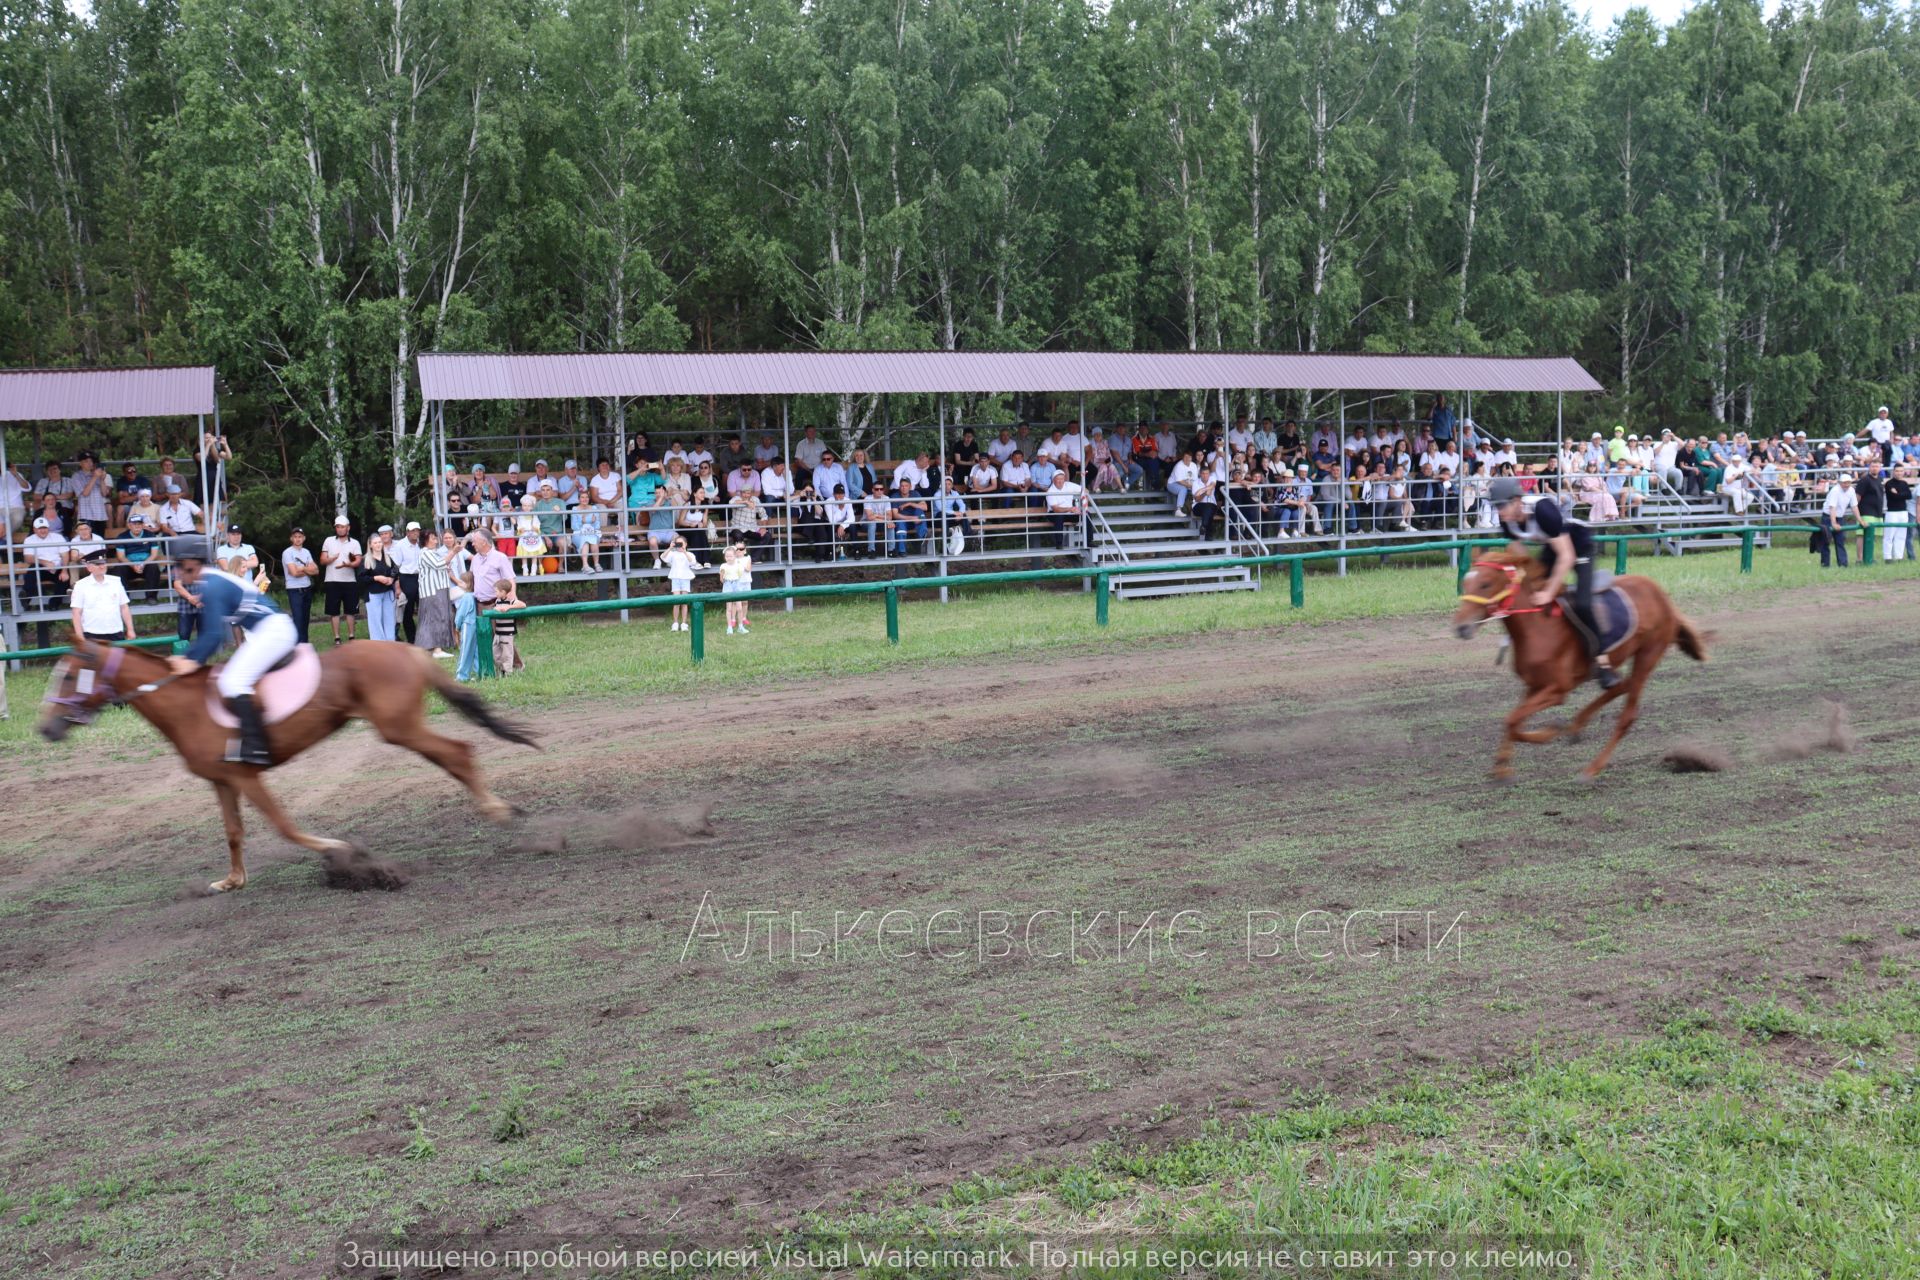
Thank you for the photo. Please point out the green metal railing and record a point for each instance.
(1102, 576)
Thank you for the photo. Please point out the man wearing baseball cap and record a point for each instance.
(134, 549)
(1880, 427)
(46, 553)
(340, 555)
(406, 558)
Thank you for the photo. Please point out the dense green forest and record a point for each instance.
(1719, 219)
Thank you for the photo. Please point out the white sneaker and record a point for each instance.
(743, 629)
(1406, 527)
(731, 629)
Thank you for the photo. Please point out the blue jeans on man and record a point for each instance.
(1836, 540)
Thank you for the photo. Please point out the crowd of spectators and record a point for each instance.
(85, 540)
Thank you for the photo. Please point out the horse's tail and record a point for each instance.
(474, 707)
(1692, 640)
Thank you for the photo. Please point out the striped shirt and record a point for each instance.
(433, 571)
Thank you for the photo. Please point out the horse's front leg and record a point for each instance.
(1536, 701)
(236, 839)
(257, 794)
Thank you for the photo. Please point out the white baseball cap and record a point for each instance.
(340, 520)
(40, 522)
(572, 463)
(513, 468)
(412, 525)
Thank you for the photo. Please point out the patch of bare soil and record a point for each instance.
(1223, 773)
(1831, 731)
(356, 870)
(1694, 757)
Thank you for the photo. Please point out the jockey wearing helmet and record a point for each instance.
(1569, 551)
(266, 637)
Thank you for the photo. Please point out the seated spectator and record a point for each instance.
(134, 553)
(909, 518)
(126, 492)
(1063, 504)
(1016, 479)
(588, 533)
(84, 542)
(745, 518)
(45, 554)
(551, 525)
(950, 514)
(877, 516)
(178, 516)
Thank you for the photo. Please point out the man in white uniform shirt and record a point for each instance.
(406, 558)
(911, 471)
(101, 610)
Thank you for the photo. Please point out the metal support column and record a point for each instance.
(786, 451)
(626, 515)
(940, 527)
(1341, 461)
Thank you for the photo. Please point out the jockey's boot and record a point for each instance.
(1605, 674)
(253, 733)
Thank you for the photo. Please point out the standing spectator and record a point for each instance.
(1842, 504)
(1871, 494)
(506, 629)
(296, 562)
(134, 550)
(92, 490)
(186, 601)
(1880, 428)
(101, 610)
(434, 582)
(1441, 420)
(378, 577)
(680, 569)
(15, 491)
(406, 558)
(661, 520)
(733, 573)
(236, 555)
(1899, 495)
(460, 591)
(489, 566)
(340, 556)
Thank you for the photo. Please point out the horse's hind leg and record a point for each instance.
(407, 728)
(236, 839)
(1642, 668)
(262, 799)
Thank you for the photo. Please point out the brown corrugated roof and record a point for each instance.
(448, 376)
(149, 391)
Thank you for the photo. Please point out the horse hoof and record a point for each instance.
(1502, 776)
(229, 885)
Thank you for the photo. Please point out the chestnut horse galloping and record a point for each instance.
(1550, 657)
(379, 681)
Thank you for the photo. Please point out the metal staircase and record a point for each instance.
(1139, 528)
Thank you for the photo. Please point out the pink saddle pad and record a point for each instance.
(280, 693)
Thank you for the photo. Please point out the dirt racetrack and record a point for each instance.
(523, 1040)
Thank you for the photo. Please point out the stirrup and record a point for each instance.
(1606, 675)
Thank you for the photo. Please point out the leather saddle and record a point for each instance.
(289, 686)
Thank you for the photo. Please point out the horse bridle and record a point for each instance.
(1493, 602)
(83, 703)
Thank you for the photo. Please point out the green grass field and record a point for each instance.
(1681, 1028)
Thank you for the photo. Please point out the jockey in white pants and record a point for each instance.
(266, 637)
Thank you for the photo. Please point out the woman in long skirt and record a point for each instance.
(435, 629)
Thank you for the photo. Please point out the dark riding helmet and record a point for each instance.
(189, 547)
(1502, 490)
